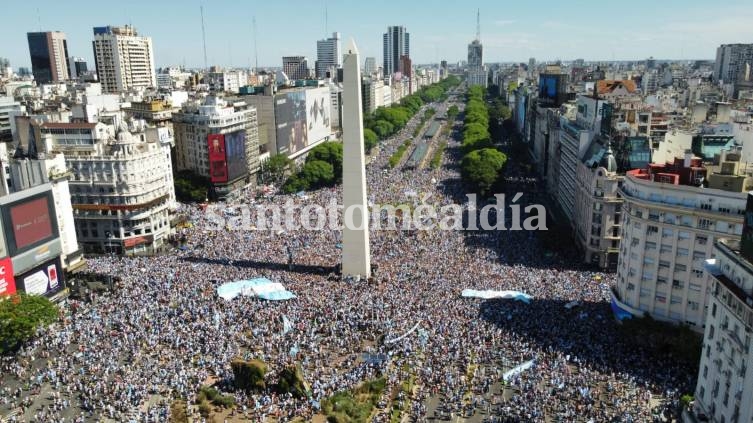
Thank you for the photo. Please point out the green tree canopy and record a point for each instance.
(370, 139)
(20, 317)
(330, 152)
(383, 128)
(480, 169)
(276, 167)
(318, 174)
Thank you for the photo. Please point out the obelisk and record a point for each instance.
(355, 246)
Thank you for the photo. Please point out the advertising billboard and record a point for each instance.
(7, 283)
(318, 113)
(217, 161)
(235, 157)
(290, 113)
(552, 89)
(46, 279)
(29, 222)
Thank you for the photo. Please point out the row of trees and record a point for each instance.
(482, 163)
(386, 121)
(323, 168)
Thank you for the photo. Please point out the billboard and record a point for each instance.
(29, 222)
(290, 113)
(235, 157)
(318, 113)
(216, 156)
(45, 279)
(552, 89)
(7, 283)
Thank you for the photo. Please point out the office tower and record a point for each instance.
(356, 258)
(123, 59)
(476, 73)
(396, 45)
(49, 56)
(328, 56)
(295, 67)
(731, 60)
(77, 66)
(369, 66)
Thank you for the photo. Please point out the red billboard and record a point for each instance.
(7, 283)
(217, 158)
(31, 222)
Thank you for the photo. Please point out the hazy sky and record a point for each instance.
(510, 31)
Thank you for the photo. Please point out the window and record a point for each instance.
(664, 264)
(677, 284)
(704, 223)
(693, 305)
(648, 260)
(682, 252)
(650, 245)
(694, 287)
(666, 233)
(675, 300)
(666, 248)
(683, 235)
(680, 268)
(661, 298)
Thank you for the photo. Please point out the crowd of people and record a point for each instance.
(163, 332)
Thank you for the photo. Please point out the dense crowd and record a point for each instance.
(164, 332)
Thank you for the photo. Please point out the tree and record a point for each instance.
(452, 112)
(370, 139)
(318, 174)
(480, 169)
(295, 184)
(276, 167)
(383, 128)
(190, 187)
(20, 317)
(330, 152)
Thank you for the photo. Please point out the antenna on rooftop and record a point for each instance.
(326, 18)
(204, 37)
(478, 24)
(256, 50)
(39, 20)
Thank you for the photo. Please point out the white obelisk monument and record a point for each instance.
(356, 251)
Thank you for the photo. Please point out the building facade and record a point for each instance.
(369, 66)
(730, 62)
(122, 186)
(724, 381)
(219, 140)
(395, 44)
(668, 231)
(296, 67)
(77, 66)
(328, 58)
(49, 56)
(123, 59)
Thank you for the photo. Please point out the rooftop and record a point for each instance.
(607, 86)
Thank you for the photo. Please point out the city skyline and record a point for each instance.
(673, 30)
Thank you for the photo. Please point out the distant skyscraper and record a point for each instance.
(476, 73)
(328, 56)
(295, 67)
(123, 59)
(77, 66)
(396, 44)
(731, 60)
(49, 56)
(369, 66)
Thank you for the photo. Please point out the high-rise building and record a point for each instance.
(328, 56)
(77, 66)
(731, 60)
(724, 383)
(475, 54)
(296, 67)
(396, 45)
(369, 66)
(123, 59)
(477, 74)
(49, 56)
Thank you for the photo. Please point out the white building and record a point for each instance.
(8, 108)
(197, 122)
(124, 60)
(328, 58)
(122, 186)
(725, 385)
(229, 81)
(668, 231)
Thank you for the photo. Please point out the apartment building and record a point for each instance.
(670, 224)
(724, 383)
(123, 58)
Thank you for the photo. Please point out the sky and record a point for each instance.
(439, 29)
